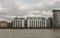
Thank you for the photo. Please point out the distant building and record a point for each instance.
(50, 22)
(36, 22)
(12, 24)
(9, 25)
(3, 24)
(19, 22)
(56, 17)
(25, 23)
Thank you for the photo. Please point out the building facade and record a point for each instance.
(3, 24)
(56, 17)
(19, 22)
(36, 22)
(9, 25)
(50, 22)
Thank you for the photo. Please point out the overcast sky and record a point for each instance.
(28, 8)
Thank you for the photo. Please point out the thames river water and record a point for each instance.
(29, 33)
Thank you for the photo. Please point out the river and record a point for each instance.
(29, 33)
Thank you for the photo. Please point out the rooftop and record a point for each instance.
(55, 10)
(3, 22)
(36, 18)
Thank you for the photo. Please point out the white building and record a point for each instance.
(56, 16)
(19, 22)
(36, 22)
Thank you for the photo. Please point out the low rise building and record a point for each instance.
(9, 25)
(36, 22)
(3, 24)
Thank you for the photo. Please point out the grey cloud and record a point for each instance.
(10, 7)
